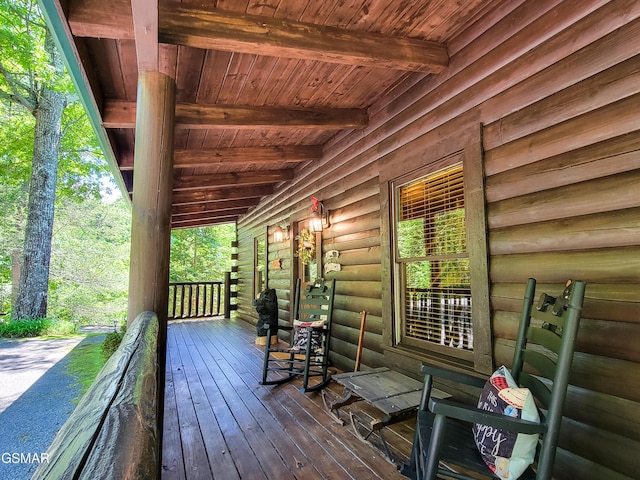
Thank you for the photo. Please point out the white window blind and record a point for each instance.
(433, 260)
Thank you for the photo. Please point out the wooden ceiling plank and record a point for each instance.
(238, 70)
(282, 73)
(345, 12)
(212, 76)
(126, 62)
(121, 114)
(211, 28)
(262, 70)
(217, 180)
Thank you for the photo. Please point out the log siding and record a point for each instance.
(554, 87)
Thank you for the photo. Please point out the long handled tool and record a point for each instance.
(360, 340)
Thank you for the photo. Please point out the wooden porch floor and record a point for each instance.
(220, 423)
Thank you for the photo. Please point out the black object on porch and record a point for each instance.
(307, 355)
(444, 439)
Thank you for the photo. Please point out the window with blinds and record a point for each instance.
(432, 259)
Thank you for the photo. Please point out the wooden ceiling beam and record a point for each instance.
(215, 29)
(145, 27)
(215, 206)
(234, 179)
(122, 114)
(211, 28)
(192, 158)
(207, 215)
(226, 193)
(101, 19)
(203, 222)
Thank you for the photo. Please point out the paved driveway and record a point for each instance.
(36, 397)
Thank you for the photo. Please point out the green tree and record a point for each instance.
(201, 253)
(89, 275)
(33, 84)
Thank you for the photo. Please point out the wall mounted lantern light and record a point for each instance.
(281, 234)
(320, 216)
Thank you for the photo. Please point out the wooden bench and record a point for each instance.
(396, 395)
(113, 432)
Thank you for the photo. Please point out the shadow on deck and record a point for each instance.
(220, 423)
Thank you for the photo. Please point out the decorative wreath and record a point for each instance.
(306, 246)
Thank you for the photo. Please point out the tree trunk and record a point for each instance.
(31, 301)
(16, 266)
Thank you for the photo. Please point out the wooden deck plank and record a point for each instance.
(253, 395)
(193, 451)
(237, 446)
(226, 419)
(221, 464)
(173, 462)
(251, 415)
(293, 408)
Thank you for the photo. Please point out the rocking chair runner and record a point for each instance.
(444, 440)
(307, 355)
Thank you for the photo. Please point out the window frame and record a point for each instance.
(400, 338)
(258, 277)
(434, 150)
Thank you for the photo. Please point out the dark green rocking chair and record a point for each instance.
(444, 443)
(307, 355)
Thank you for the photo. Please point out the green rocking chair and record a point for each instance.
(450, 437)
(307, 355)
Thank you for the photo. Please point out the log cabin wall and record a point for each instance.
(554, 88)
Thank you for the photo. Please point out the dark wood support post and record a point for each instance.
(152, 187)
(227, 295)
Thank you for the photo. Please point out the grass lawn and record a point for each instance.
(86, 361)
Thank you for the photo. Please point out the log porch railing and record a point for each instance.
(201, 299)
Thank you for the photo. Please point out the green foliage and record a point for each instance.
(88, 280)
(22, 43)
(112, 342)
(36, 328)
(201, 253)
(29, 67)
(82, 170)
(89, 276)
(411, 238)
(446, 236)
(85, 363)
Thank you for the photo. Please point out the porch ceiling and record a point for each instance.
(261, 86)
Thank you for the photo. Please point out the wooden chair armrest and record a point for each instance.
(472, 414)
(457, 377)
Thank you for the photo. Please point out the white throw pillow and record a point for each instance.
(508, 454)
